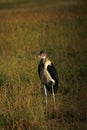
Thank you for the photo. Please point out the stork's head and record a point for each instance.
(42, 55)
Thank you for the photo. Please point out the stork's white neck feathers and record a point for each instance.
(46, 73)
(47, 62)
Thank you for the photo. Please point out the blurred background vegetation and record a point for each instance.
(26, 27)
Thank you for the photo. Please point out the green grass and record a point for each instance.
(22, 101)
(43, 5)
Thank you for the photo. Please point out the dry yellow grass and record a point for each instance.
(22, 101)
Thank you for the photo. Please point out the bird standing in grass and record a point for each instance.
(48, 75)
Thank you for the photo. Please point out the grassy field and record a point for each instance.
(26, 27)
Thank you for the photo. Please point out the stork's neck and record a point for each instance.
(44, 60)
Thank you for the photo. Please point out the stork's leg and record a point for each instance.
(45, 93)
(53, 94)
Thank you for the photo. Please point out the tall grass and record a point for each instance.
(22, 101)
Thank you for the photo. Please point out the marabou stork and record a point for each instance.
(48, 75)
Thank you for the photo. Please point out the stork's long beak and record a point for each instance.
(39, 57)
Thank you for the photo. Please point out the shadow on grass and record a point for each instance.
(11, 5)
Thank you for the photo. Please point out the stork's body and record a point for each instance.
(48, 75)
